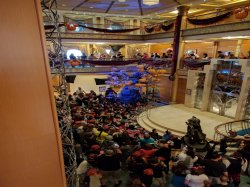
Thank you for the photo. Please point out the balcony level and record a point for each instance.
(242, 27)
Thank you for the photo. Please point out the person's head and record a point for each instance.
(190, 153)
(108, 152)
(224, 179)
(146, 136)
(161, 145)
(197, 170)
(154, 131)
(216, 156)
(154, 161)
(236, 155)
(109, 138)
(205, 55)
(168, 132)
(95, 147)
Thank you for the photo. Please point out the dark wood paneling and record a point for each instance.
(181, 90)
(165, 89)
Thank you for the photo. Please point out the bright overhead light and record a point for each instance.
(174, 12)
(151, 2)
(191, 41)
(122, 1)
(108, 51)
(234, 37)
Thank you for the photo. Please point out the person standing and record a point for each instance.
(214, 168)
(109, 164)
(197, 178)
(234, 163)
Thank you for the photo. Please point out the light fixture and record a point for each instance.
(151, 2)
(235, 37)
(122, 1)
(108, 51)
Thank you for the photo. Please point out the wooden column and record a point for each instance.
(178, 47)
(31, 151)
(182, 12)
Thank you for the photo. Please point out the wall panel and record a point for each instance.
(31, 152)
(181, 90)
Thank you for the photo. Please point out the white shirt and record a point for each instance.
(192, 161)
(196, 180)
(182, 156)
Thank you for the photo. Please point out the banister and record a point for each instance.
(231, 123)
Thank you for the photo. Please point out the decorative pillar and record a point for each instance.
(242, 100)
(138, 24)
(215, 49)
(149, 49)
(98, 20)
(102, 21)
(94, 23)
(179, 24)
(88, 50)
(238, 48)
(126, 51)
(131, 24)
(178, 46)
(61, 20)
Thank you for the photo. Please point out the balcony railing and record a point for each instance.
(228, 20)
(233, 130)
(107, 65)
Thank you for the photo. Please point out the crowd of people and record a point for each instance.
(110, 144)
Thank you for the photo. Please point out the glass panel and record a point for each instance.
(226, 88)
(199, 90)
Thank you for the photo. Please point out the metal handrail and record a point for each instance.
(244, 125)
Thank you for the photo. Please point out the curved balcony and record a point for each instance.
(234, 130)
(106, 65)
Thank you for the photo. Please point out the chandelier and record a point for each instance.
(150, 2)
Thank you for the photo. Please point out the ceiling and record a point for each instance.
(165, 9)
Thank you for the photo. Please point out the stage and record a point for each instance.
(174, 117)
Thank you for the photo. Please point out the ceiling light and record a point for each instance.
(122, 1)
(174, 12)
(150, 2)
(234, 37)
(107, 51)
(91, 7)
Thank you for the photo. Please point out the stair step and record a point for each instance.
(149, 124)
